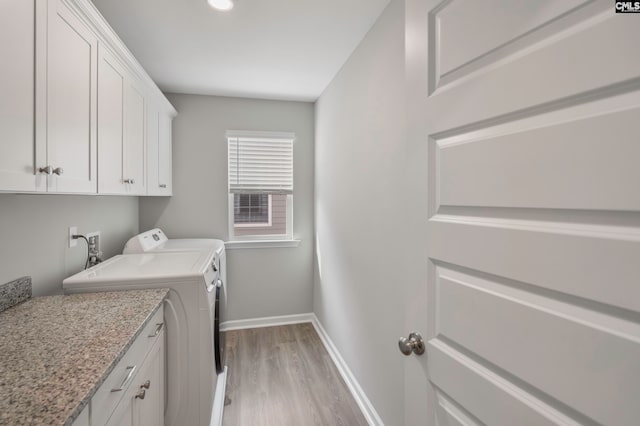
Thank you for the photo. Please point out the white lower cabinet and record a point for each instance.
(83, 418)
(143, 403)
(149, 409)
(134, 392)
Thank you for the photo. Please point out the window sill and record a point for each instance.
(258, 244)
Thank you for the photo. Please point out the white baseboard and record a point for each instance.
(358, 394)
(266, 322)
(369, 412)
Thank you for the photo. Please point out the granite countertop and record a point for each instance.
(55, 351)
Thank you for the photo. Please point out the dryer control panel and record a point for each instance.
(147, 241)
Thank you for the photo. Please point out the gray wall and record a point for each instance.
(261, 282)
(34, 228)
(360, 160)
(417, 174)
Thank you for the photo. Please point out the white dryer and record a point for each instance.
(189, 317)
(156, 241)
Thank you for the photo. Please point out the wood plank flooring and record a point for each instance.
(285, 376)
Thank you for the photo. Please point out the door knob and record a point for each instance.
(415, 344)
(58, 171)
(141, 394)
(162, 185)
(131, 181)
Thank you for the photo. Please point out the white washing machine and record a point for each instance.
(189, 317)
(156, 241)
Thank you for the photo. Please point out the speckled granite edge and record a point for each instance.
(87, 398)
(14, 292)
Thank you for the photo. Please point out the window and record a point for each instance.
(252, 210)
(260, 185)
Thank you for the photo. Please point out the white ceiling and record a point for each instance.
(273, 49)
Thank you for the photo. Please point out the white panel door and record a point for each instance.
(134, 138)
(111, 84)
(530, 296)
(17, 107)
(71, 102)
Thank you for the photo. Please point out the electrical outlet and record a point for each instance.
(73, 230)
(94, 243)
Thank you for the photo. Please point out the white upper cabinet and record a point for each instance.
(17, 107)
(165, 176)
(121, 129)
(78, 114)
(134, 139)
(159, 151)
(71, 88)
(111, 84)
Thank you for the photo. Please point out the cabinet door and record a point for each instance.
(134, 138)
(111, 85)
(71, 102)
(159, 161)
(143, 402)
(83, 418)
(17, 107)
(165, 176)
(123, 415)
(152, 148)
(150, 410)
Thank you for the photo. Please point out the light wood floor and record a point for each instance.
(284, 376)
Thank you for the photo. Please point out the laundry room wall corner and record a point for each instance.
(263, 282)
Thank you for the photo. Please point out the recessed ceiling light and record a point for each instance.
(221, 4)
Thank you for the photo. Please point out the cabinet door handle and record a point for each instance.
(141, 394)
(46, 170)
(146, 385)
(131, 369)
(162, 185)
(58, 171)
(131, 181)
(158, 328)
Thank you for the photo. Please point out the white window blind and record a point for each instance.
(260, 165)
